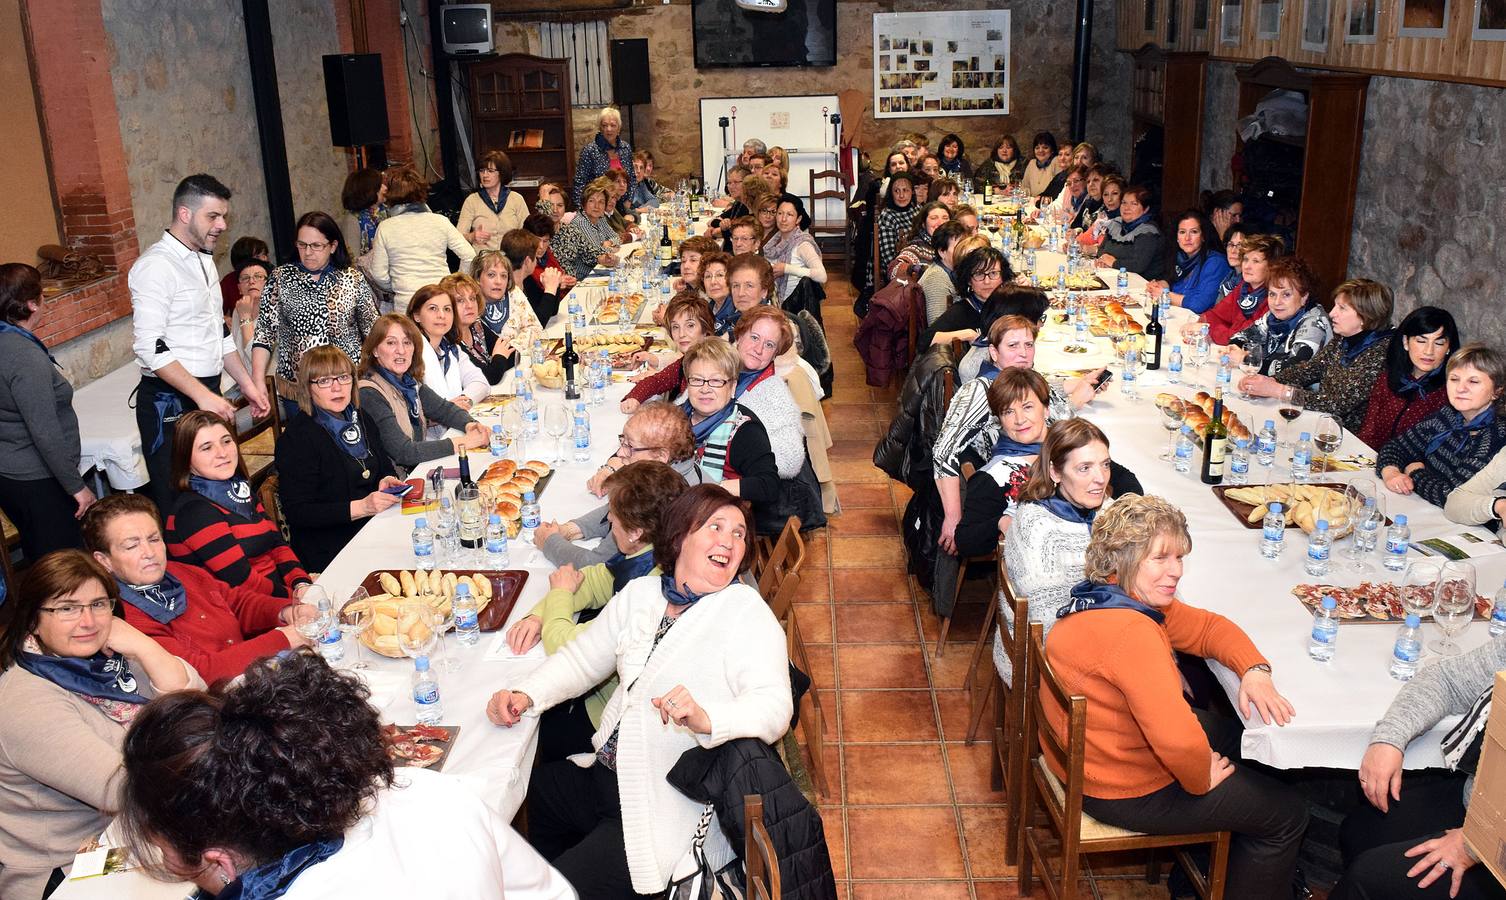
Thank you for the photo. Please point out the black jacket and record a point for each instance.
(723, 776)
(316, 482)
(904, 453)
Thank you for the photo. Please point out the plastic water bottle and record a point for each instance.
(614, 282)
(1302, 458)
(1061, 278)
(1407, 650)
(1367, 527)
(1165, 305)
(1397, 538)
(1325, 634)
(1080, 329)
(1273, 532)
(497, 443)
(467, 625)
(1121, 284)
(1183, 459)
(1265, 444)
(601, 370)
(426, 693)
(332, 643)
(1239, 463)
(423, 545)
(1498, 614)
(1225, 373)
(497, 556)
(1318, 545)
(1174, 367)
(1128, 374)
(530, 408)
(538, 349)
(582, 433)
(446, 533)
(530, 514)
(578, 317)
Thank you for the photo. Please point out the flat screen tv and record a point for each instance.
(728, 36)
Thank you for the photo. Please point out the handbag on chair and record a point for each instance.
(705, 883)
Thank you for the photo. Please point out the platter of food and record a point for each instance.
(1199, 410)
(1075, 282)
(1371, 601)
(1303, 504)
(504, 483)
(616, 306)
(389, 591)
(420, 746)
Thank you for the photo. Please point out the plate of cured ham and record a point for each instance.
(1371, 601)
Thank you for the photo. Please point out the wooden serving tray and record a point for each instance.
(1241, 510)
(506, 584)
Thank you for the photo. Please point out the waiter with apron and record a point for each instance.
(179, 334)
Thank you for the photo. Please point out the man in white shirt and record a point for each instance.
(178, 328)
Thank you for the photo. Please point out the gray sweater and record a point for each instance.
(38, 430)
(405, 446)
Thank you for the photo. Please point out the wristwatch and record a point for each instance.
(1259, 667)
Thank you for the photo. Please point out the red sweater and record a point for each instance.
(239, 551)
(1387, 415)
(1225, 319)
(214, 634)
(665, 381)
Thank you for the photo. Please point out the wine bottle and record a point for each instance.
(470, 532)
(570, 359)
(1215, 441)
(1154, 332)
(666, 247)
(465, 472)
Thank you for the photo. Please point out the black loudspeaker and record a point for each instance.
(630, 72)
(357, 99)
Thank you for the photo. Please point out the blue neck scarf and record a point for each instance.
(1087, 595)
(702, 431)
(989, 370)
(1461, 428)
(1068, 511)
(233, 494)
(271, 880)
(346, 431)
(9, 328)
(494, 314)
(1280, 328)
(1356, 344)
(1420, 386)
(1079, 200)
(447, 353)
(1189, 265)
(726, 316)
(164, 601)
(625, 568)
(99, 676)
(1043, 165)
(676, 594)
(602, 143)
(746, 380)
(407, 385)
(486, 198)
(950, 165)
(315, 275)
(1250, 298)
(1008, 446)
(1131, 224)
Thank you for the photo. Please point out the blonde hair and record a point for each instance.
(485, 260)
(318, 362)
(715, 351)
(609, 114)
(1125, 534)
(461, 285)
(602, 186)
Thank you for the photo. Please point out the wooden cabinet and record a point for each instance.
(1328, 156)
(1167, 112)
(515, 94)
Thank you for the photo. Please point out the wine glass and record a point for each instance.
(1173, 412)
(415, 628)
(556, 423)
(1288, 415)
(1456, 604)
(355, 617)
(1328, 434)
(1357, 493)
(316, 628)
(1419, 588)
(512, 430)
(1246, 369)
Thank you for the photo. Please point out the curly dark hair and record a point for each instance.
(688, 513)
(293, 754)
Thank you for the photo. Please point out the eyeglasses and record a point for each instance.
(990, 275)
(698, 381)
(332, 380)
(316, 247)
(249, 278)
(69, 612)
(622, 441)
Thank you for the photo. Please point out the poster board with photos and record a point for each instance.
(941, 63)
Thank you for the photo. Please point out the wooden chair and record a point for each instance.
(759, 857)
(831, 227)
(778, 585)
(267, 494)
(258, 444)
(12, 536)
(786, 556)
(1078, 832)
(962, 563)
(984, 683)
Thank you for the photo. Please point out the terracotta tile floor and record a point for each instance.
(911, 815)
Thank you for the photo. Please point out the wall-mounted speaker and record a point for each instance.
(630, 85)
(357, 99)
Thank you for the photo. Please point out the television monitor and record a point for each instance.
(467, 28)
(728, 36)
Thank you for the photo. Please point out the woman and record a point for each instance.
(542, 227)
(732, 444)
(894, 220)
(792, 252)
(917, 252)
(1199, 268)
(692, 250)
(1046, 546)
(245, 249)
(1411, 386)
(364, 198)
(215, 627)
(952, 157)
(1060, 166)
(588, 241)
(281, 786)
(1234, 247)
(494, 209)
(1112, 192)
(874, 202)
(1385, 849)
(605, 152)
(763, 334)
(1003, 166)
(72, 678)
(750, 283)
(1150, 766)
(401, 406)
(779, 158)
(621, 216)
(637, 496)
(1039, 171)
(765, 212)
(722, 674)
(448, 372)
(331, 469)
(1092, 207)
(1072, 204)
(251, 279)
(1133, 241)
(716, 290)
(492, 359)
(321, 299)
(979, 273)
(1293, 330)
(522, 249)
(1246, 302)
(936, 281)
(408, 251)
(40, 487)
(216, 522)
(1345, 368)
(1226, 211)
(506, 314)
(1019, 399)
(551, 204)
(645, 190)
(688, 321)
(1447, 448)
(732, 206)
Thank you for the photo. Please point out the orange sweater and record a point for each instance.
(1141, 734)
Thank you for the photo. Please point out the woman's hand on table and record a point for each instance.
(1106, 261)
(1258, 692)
(566, 578)
(462, 401)
(1219, 768)
(545, 531)
(1261, 386)
(628, 405)
(505, 708)
(1397, 481)
(678, 706)
(524, 634)
(1439, 857)
(1190, 330)
(567, 281)
(1154, 288)
(1380, 775)
(607, 260)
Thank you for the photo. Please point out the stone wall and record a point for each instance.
(1220, 112)
(303, 33)
(1111, 76)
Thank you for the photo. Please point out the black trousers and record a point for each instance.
(564, 730)
(575, 822)
(157, 435)
(1375, 843)
(43, 512)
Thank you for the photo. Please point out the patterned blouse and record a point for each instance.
(594, 161)
(578, 244)
(893, 225)
(1343, 385)
(299, 311)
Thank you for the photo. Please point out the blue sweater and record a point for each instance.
(1199, 285)
(1453, 463)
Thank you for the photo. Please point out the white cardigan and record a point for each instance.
(727, 650)
(408, 253)
(771, 401)
(431, 835)
(463, 378)
(1045, 556)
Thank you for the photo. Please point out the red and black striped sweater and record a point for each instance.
(239, 551)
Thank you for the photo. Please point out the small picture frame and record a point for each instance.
(1231, 22)
(1360, 21)
(1490, 20)
(1316, 14)
(1268, 20)
(1424, 19)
